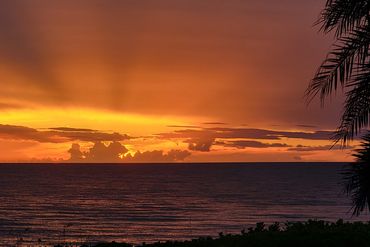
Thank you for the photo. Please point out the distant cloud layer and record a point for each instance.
(66, 129)
(110, 147)
(102, 153)
(115, 152)
(302, 148)
(202, 139)
(252, 144)
(58, 135)
(215, 123)
(158, 156)
(245, 133)
(199, 139)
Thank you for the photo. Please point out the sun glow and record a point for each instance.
(133, 124)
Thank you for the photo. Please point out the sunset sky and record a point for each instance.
(162, 81)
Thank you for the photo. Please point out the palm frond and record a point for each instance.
(357, 178)
(348, 66)
(344, 15)
(337, 68)
(357, 106)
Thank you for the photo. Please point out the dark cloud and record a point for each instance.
(115, 151)
(306, 126)
(92, 136)
(66, 129)
(316, 135)
(24, 133)
(99, 153)
(241, 144)
(302, 148)
(215, 123)
(200, 144)
(205, 144)
(58, 136)
(183, 126)
(245, 133)
(203, 139)
(102, 153)
(76, 153)
(158, 156)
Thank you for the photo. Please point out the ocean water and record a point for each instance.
(47, 204)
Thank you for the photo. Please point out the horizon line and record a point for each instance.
(172, 163)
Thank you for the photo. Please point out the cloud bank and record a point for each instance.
(58, 135)
(115, 152)
(241, 144)
(202, 139)
(245, 133)
(109, 147)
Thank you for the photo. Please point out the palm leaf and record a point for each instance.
(357, 178)
(347, 65)
(357, 106)
(344, 16)
(340, 63)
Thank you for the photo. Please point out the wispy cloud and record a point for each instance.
(303, 148)
(184, 126)
(240, 138)
(241, 144)
(306, 126)
(67, 129)
(58, 135)
(245, 133)
(215, 123)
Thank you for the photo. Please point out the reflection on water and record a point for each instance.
(136, 203)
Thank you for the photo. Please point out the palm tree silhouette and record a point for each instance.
(357, 182)
(347, 66)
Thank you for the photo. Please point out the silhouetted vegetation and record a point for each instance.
(347, 65)
(357, 178)
(310, 233)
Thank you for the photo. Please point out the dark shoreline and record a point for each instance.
(309, 233)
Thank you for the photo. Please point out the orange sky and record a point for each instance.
(162, 81)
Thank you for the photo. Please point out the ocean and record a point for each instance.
(45, 204)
